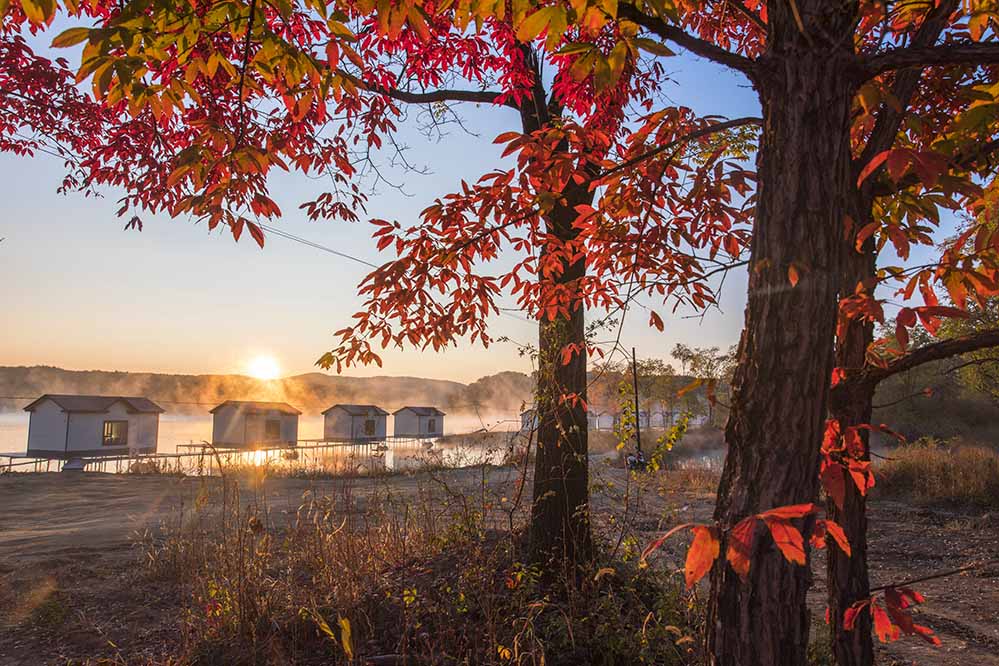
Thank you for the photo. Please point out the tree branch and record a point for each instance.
(478, 96)
(696, 134)
(753, 16)
(956, 53)
(695, 45)
(933, 352)
(905, 85)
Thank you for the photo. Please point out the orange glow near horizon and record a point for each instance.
(264, 367)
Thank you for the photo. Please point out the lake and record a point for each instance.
(179, 430)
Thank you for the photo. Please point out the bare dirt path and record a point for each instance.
(67, 556)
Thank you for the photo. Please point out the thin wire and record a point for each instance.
(313, 244)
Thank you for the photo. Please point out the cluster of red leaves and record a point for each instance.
(893, 616)
(842, 457)
(740, 539)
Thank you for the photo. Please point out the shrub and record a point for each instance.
(436, 577)
(946, 472)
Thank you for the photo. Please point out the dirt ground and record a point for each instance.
(72, 585)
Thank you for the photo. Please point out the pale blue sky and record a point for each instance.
(79, 292)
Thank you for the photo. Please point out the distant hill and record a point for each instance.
(312, 392)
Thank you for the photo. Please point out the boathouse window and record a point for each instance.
(431, 425)
(272, 430)
(369, 427)
(115, 433)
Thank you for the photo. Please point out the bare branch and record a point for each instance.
(477, 96)
(936, 351)
(695, 45)
(890, 117)
(956, 53)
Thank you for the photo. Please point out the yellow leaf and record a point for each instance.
(534, 24)
(70, 37)
(348, 646)
(37, 10)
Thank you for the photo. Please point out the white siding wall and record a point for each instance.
(336, 424)
(233, 426)
(409, 424)
(339, 424)
(47, 427)
(289, 428)
(227, 429)
(148, 431)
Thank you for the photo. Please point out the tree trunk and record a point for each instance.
(560, 537)
(781, 383)
(847, 578)
(560, 525)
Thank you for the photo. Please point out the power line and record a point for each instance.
(505, 312)
(313, 244)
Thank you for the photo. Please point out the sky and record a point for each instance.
(80, 292)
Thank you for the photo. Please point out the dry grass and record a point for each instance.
(433, 579)
(942, 472)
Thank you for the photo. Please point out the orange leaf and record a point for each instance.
(740, 546)
(655, 545)
(789, 511)
(852, 613)
(793, 275)
(886, 631)
(788, 539)
(872, 166)
(836, 532)
(702, 554)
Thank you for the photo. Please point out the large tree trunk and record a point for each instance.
(560, 526)
(781, 383)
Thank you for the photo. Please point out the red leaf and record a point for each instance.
(655, 545)
(852, 613)
(926, 634)
(836, 532)
(702, 554)
(872, 166)
(883, 627)
(656, 320)
(740, 546)
(506, 136)
(789, 511)
(256, 232)
(788, 539)
(898, 160)
(793, 275)
(834, 482)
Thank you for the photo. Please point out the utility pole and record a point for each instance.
(638, 415)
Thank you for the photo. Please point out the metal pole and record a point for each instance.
(638, 414)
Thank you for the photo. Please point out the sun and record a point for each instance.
(264, 367)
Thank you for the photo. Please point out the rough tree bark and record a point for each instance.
(847, 578)
(560, 537)
(806, 85)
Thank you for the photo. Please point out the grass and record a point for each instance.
(931, 471)
(433, 578)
